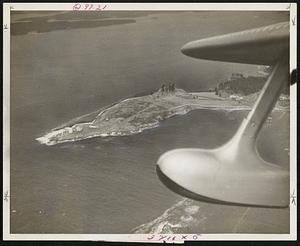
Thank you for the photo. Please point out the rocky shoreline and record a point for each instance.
(134, 115)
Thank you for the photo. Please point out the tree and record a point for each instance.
(173, 87)
(216, 91)
(163, 88)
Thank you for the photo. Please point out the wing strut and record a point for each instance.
(234, 172)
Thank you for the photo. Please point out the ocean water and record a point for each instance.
(109, 185)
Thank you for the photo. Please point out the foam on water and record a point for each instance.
(176, 219)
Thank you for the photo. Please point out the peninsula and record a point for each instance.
(134, 115)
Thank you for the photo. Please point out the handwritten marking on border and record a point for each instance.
(6, 196)
(293, 198)
(289, 7)
(86, 6)
(294, 21)
(166, 238)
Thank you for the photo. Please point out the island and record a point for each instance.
(136, 114)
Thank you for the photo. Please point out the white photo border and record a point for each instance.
(8, 7)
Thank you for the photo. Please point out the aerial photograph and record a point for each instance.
(135, 122)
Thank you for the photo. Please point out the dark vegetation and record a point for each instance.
(244, 86)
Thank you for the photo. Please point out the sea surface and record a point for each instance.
(109, 185)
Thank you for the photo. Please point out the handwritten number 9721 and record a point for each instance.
(96, 7)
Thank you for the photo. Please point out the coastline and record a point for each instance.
(137, 114)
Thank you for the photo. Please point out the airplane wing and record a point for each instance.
(263, 45)
(235, 172)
